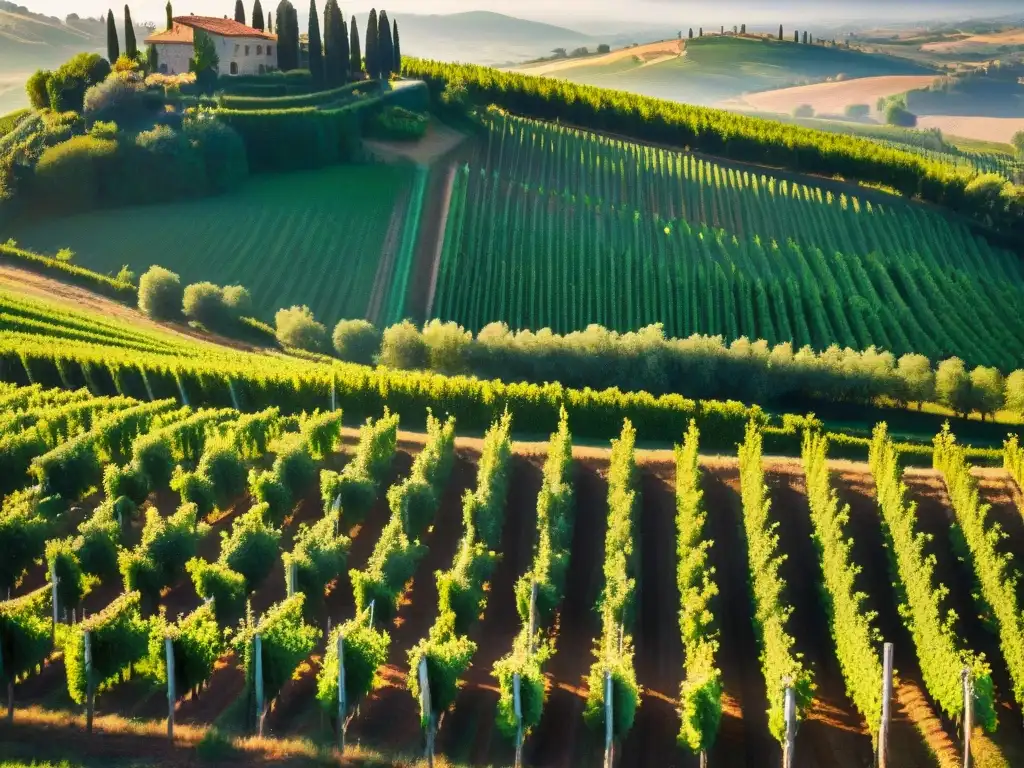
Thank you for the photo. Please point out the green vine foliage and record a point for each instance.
(994, 570)
(251, 433)
(62, 559)
(286, 640)
(24, 633)
(119, 638)
(356, 485)
(365, 650)
(939, 653)
(461, 590)
(23, 535)
(448, 655)
(614, 648)
(197, 641)
(319, 556)
(529, 665)
(852, 626)
(398, 550)
(223, 468)
(700, 695)
(159, 560)
(251, 547)
(550, 562)
(224, 587)
(555, 513)
(96, 544)
(1013, 460)
(321, 432)
(779, 662)
(194, 488)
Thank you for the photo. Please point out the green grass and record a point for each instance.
(717, 68)
(311, 238)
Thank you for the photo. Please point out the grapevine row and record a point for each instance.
(933, 628)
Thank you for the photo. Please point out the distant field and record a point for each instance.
(831, 98)
(12, 91)
(716, 68)
(651, 52)
(1009, 37)
(998, 129)
(313, 238)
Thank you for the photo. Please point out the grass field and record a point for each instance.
(560, 228)
(314, 238)
(716, 68)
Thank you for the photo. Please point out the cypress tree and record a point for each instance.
(398, 47)
(316, 54)
(805, 38)
(270, 22)
(691, 33)
(796, 36)
(131, 50)
(701, 33)
(170, 15)
(330, 46)
(345, 56)
(780, 32)
(385, 47)
(239, 12)
(257, 16)
(354, 50)
(113, 49)
(743, 29)
(372, 57)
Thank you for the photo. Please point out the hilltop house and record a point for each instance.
(242, 50)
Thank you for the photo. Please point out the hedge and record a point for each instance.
(314, 99)
(124, 292)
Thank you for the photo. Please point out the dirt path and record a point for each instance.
(561, 738)
(471, 735)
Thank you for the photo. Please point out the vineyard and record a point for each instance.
(554, 227)
(254, 560)
(332, 240)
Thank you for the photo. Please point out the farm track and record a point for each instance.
(833, 734)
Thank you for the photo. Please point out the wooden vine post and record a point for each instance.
(258, 680)
(54, 580)
(968, 714)
(789, 747)
(342, 708)
(517, 703)
(171, 697)
(427, 709)
(88, 682)
(609, 730)
(883, 728)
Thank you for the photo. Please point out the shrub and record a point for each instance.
(448, 346)
(1018, 142)
(225, 470)
(895, 114)
(857, 111)
(38, 95)
(237, 300)
(116, 99)
(67, 85)
(104, 130)
(804, 110)
(204, 302)
(68, 175)
(161, 153)
(160, 294)
(296, 327)
(194, 488)
(222, 151)
(398, 124)
(357, 341)
(403, 346)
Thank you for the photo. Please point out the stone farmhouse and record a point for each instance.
(242, 50)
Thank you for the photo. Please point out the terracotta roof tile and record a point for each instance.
(181, 32)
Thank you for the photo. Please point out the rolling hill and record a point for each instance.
(712, 69)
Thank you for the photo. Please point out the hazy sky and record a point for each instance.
(579, 12)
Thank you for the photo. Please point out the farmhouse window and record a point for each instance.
(270, 49)
(259, 50)
(234, 67)
(237, 46)
(247, 50)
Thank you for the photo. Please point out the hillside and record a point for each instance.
(715, 68)
(29, 41)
